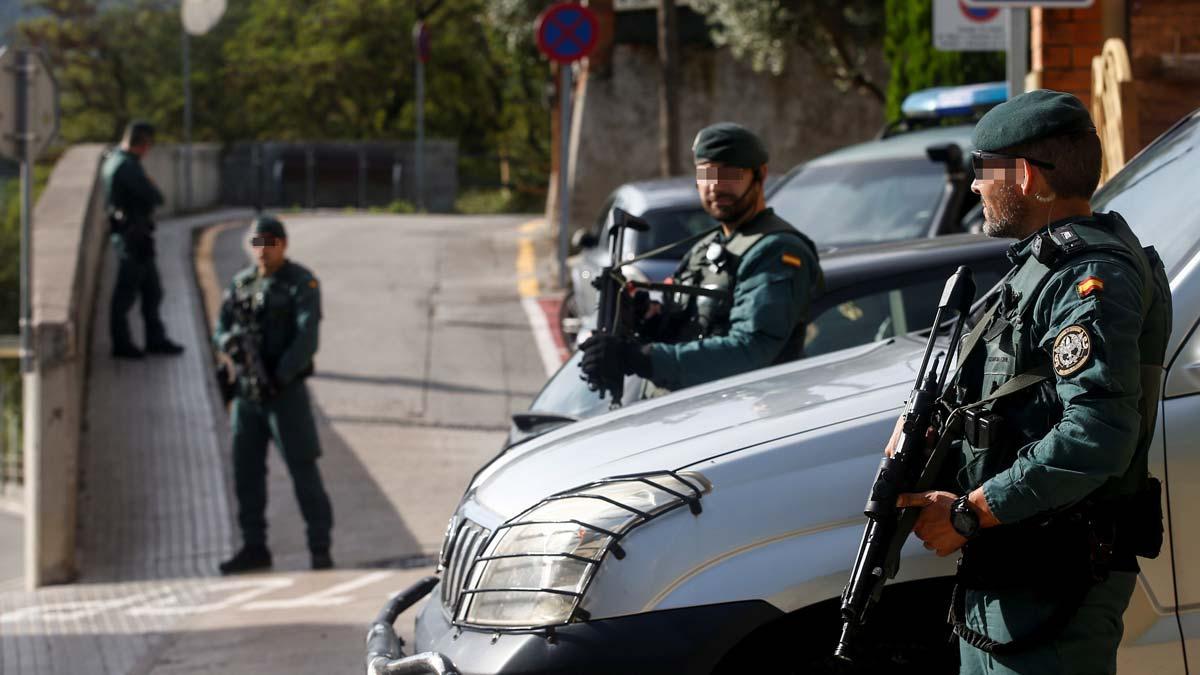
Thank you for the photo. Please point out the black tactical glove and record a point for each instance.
(606, 358)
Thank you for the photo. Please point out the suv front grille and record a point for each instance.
(466, 545)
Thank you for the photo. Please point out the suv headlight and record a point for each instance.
(536, 568)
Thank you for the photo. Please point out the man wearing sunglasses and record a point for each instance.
(275, 304)
(759, 271)
(1049, 498)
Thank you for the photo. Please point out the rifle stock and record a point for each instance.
(911, 468)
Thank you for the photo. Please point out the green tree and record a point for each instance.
(915, 64)
(124, 62)
(840, 35)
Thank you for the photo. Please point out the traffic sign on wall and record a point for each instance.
(959, 28)
(567, 32)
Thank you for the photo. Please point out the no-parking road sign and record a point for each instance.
(567, 32)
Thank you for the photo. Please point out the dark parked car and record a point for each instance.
(871, 293)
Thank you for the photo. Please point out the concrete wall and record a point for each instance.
(165, 166)
(69, 237)
(799, 114)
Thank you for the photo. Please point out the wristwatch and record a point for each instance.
(963, 518)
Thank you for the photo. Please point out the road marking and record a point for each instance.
(541, 335)
(329, 596)
(76, 610)
(255, 587)
(529, 290)
(527, 281)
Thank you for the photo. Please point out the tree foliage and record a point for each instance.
(839, 35)
(303, 70)
(915, 64)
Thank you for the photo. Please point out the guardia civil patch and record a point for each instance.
(1072, 350)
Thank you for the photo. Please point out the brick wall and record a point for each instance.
(1062, 43)
(1158, 27)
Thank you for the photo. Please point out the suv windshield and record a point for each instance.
(1161, 210)
(862, 202)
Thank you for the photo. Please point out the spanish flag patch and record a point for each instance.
(794, 261)
(1089, 286)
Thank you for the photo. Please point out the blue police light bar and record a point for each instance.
(953, 101)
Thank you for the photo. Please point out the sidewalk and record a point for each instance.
(153, 510)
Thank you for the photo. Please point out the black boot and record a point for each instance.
(127, 351)
(321, 560)
(249, 559)
(163, 346)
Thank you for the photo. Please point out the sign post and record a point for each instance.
(566, 33)
(28, 123)
(421, 45)
(1018, 32)
(199, 17)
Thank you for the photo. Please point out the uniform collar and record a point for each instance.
(760, 217)
(1019, 251)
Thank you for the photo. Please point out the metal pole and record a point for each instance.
(420, 152)
(24, 100)
(187, 123)
(1017, 59)
(564, 152)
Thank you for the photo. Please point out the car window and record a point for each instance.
(667, 226)
(565, 394)
(880, 314)
(1152, 194)
(862, 202)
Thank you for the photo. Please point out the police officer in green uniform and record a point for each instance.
(130, 197)
(1049, 498)
(278, 304)
(760, 274)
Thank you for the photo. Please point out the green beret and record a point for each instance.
(731, 144)
(268, 225)
(1031, 116)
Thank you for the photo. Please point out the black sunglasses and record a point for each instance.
(267, 240)
(979, 157)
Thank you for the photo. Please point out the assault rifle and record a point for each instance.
(611, 283)
(243, 349)
(911, 468)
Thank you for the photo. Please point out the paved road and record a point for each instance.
(425, 351)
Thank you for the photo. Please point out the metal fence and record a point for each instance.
(338, 174)
(12, 473)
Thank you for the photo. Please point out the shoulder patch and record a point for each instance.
(312, 283)
(792, 260)
(1072, 350)
(1089, 285)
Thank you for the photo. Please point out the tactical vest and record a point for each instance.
(713, 264)
(273, 310)
(1008, 351)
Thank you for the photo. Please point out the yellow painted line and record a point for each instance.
(527, 281)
